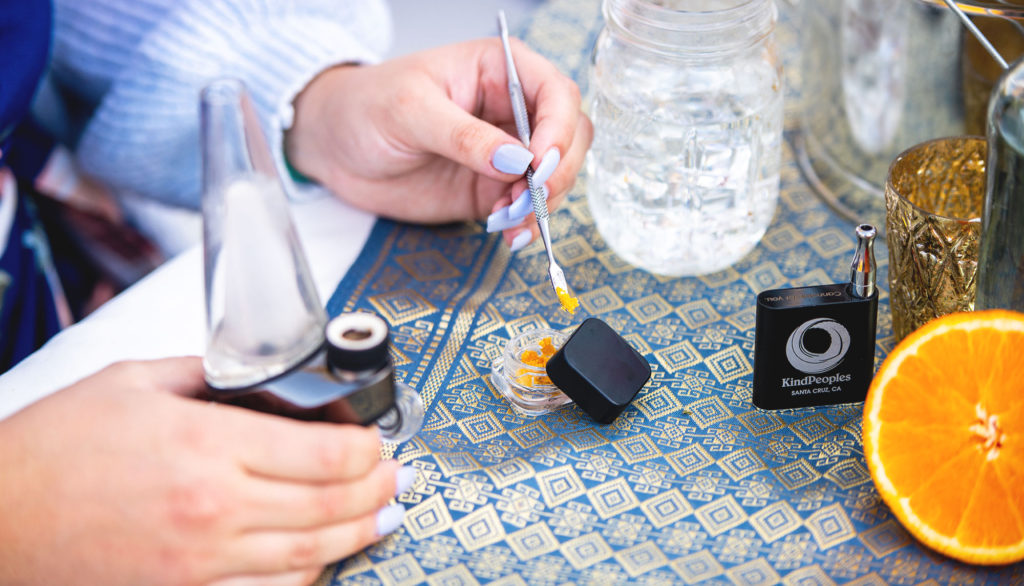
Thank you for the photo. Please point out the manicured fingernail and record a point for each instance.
(389, 518)
(521, 207)
(547, 165)
(512, 158)
(406, 477)
(520, 241)
(500, 220)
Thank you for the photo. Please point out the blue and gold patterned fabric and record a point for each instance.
(692, 483)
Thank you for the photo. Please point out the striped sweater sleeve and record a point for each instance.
(144, 134)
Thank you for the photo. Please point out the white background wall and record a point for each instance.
(419, 24)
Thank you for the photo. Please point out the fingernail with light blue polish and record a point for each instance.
(512, 158)
(500, 220)
(547, 165)
(520, 241)
(389, 518)
(521, 207)
(406, 477)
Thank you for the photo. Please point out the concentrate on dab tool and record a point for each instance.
(540, 204)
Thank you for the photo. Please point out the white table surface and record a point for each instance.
(164, 315)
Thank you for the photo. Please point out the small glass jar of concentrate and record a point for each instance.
(519, 373)
(686, 101)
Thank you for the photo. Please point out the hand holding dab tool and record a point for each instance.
(540, 204)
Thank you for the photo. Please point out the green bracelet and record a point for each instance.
(295, 174)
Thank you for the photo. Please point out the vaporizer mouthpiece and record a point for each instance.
(862, 270)
(357, 341)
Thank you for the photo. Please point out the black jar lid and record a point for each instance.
(598, 370)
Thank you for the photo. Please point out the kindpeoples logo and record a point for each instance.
(816, 380)
(810, 362)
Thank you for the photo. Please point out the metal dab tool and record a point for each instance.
(862, 269)
(970, 26)
(540, 204)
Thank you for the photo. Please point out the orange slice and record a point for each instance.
(944, 435)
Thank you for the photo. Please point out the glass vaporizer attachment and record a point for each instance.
(264, 317)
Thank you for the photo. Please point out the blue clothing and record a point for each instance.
(25, 34)
(28, 315)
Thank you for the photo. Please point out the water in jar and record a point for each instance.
(683, 174)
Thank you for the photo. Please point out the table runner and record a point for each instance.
(691, 483)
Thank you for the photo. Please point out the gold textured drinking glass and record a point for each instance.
(934, 196)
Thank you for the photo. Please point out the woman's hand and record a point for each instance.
(430, 137)
(120, 480)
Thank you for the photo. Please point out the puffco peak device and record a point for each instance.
(816, 345)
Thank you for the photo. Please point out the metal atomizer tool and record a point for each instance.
(816, 345)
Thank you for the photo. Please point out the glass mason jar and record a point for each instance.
(686, 101)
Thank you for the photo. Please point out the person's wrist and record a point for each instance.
(304, 141)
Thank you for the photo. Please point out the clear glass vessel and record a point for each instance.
(1001, 258)
(525, 383)
(686, 100)
(263, 313)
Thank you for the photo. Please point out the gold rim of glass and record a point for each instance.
(889, 186)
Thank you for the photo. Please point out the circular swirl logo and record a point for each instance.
(808, 361)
